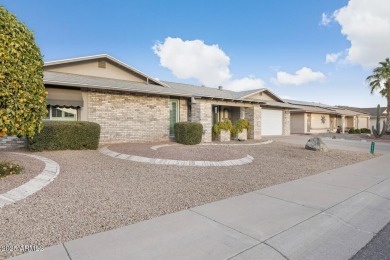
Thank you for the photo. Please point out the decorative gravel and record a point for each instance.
(32, 167)
(187, 152)
(95, 192)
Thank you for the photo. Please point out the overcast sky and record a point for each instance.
(318, 51)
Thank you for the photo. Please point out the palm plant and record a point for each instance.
(380, 81)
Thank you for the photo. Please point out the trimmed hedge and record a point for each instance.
(359, 131)
(188, 132)
(66, 135)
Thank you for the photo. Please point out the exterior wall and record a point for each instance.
(297, 123)
(12, 142)
(286, 122)
(201, 113)
(373, 122)
(261, 96)
(90, 68)
(84, 109)
(349, 122)
(129, 117)
(253, 115)
(183, 110)
(317, 125)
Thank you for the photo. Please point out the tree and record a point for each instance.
(380, 81)
(22, 93)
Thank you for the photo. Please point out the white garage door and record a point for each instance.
(271, 122)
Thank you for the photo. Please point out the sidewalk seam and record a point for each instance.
(224, 225)
(67, 252)
(276, 250)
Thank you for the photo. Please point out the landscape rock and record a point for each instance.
(316, 144)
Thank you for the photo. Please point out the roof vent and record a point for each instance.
(220, 87)
(102, 64)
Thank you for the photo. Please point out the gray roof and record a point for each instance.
(367, 110)
(306, 103)
(173, 89)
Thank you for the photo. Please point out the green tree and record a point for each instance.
(380, 81)
(22, 93)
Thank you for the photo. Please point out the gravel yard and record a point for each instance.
(95, 192)
(32, 168)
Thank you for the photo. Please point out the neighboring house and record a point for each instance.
(313, 117)
(131, 106)
(373, 114)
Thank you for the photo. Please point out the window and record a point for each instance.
(61, 113)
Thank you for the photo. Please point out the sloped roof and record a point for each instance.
(99, 57)
(313, 107)
(367, 110)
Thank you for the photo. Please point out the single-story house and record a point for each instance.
(372, 111)
(131, 106)
(313, 117)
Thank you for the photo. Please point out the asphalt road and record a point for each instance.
(379, 246)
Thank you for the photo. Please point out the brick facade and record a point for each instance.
(129, 117)
(201, 113)
(253, 115)
(12, 142)
(183, 110)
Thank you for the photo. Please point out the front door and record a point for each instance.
(173, 116)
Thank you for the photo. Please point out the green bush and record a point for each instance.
(239, 126)
(222, 125)
(357, 131)
(66, 135)
(351, 131)
(188, 132)
(365, 131)
(9, 168)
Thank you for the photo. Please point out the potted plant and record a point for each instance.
(221, 130)
(241, 129)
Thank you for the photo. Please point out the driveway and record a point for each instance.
(341, 144)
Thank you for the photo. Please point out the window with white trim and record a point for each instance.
(61, 113)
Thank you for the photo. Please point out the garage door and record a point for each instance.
(271, 122)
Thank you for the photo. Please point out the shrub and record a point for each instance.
(357, 131)
(22, 93)
(65, 135)
(9, 168)
(351, 131)
(239, 126)
(222, 125)
(188, 132)
(365, 131)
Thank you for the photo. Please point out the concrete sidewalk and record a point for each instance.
(330, 215)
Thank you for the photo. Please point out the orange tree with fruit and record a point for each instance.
(22, 93)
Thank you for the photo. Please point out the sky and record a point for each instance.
(318, 51)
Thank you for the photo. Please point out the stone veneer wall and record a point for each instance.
(183, 110)
(129, 117)
(253, 115)
(286, 122)
(201, 113)
(12, 142)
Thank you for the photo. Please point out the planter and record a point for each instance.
(243, 135)
(224, 136)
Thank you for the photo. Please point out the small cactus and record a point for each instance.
(376, 131)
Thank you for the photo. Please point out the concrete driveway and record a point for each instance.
(341, 144)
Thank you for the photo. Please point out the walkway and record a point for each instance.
(51, 170)
(330, 215)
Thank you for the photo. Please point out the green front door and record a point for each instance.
(173, 116)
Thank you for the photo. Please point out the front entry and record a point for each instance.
(173, 116)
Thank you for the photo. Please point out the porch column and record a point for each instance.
(242, 112)
(201, 112)
(286, 122)
(342, 124)
(253, 115)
